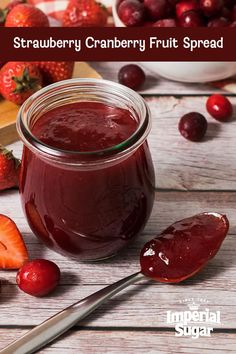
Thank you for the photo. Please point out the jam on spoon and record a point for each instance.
(184, 248)
(177, 254)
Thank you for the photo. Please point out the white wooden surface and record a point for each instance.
(155, 84)
(97, 341)
(191, 177)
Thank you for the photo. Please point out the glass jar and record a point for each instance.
(87, 205)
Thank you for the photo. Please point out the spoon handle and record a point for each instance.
(56, 325)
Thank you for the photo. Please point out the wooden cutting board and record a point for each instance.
(8, 110)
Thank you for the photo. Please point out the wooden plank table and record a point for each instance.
(191, 178)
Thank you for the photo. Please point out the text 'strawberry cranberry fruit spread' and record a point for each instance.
(87, 179)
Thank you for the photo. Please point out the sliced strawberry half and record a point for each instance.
(13, 252)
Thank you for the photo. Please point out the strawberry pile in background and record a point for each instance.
(78, 13)
(19, 80)
(85, 13)
(18, 13)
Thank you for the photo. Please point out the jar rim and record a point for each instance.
(48, 151)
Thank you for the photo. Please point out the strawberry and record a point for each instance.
(9, 169)
(19, 80)
(53, 71)
(4, 12)
(13, 252)
(85, 13)
(13, 3)
(25, 15)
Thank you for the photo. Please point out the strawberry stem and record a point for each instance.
(3, 15)
(9, 155)
(26, 82)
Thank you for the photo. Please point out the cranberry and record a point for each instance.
(193, 126)
(131, 75)
(219, 107)
(219, 22)
(211, 7)
(186, 5)
(168, 22)
(131, 12)
(190, 19)
(184, 248)
(157, 10)
(38, 277)
(233, 24)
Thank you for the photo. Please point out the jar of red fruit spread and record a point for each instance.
(87, 179)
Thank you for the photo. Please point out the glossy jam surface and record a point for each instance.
(87, 213)
(184, 247)
(85, 126)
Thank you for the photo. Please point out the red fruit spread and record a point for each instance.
(90, 213)
(85, 126)
(184, 247)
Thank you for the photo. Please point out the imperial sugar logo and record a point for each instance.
(196, 321)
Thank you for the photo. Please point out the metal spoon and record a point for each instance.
(56, 325)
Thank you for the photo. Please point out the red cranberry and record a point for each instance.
(219, 107)
(132, 76)
(211, 7)
(168, 22)
(157, 10)
(233, 24)
(131, 12)
(38, 277)
(219, 22)
(193, 126)
(191, 19)
(186, 5)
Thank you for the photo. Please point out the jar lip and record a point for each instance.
(32, 142)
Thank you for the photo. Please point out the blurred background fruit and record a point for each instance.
(183, 13)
